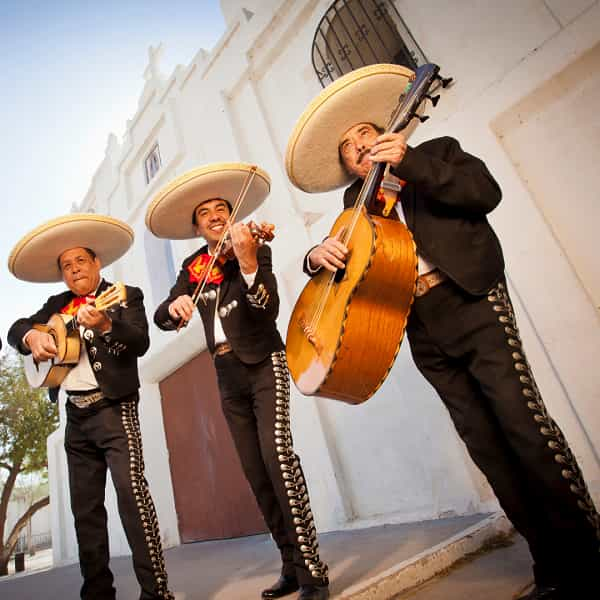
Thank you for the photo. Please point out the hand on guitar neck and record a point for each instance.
(91, 318)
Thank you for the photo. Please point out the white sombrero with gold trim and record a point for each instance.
(35, 256)
(365, 95)
(170, 212)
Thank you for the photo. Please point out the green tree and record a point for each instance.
(27, 417)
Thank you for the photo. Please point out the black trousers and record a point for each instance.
(470, 351)
(255, 401)
(107, 435)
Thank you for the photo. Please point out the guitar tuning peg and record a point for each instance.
(434, 99)
(421, 118)
(445, 81)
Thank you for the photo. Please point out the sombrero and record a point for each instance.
(170, 213)
(365, 95)
(34, 257)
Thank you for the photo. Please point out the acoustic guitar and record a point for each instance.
(65, 331)
(346, 327)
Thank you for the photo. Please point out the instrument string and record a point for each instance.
(346, 236)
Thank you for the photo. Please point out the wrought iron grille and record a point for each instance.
(355, 33)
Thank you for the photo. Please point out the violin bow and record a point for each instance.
(213, 258)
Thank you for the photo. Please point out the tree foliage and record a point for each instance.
(27, 417)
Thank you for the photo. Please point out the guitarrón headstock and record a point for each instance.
(414, 94)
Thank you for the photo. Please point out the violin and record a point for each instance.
(260, 233)
(224, 248)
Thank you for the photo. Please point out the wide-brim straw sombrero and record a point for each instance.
(365, 95)
(35, 256)
(170, 213)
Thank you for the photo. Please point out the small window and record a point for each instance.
(356, 33)
(152, 163)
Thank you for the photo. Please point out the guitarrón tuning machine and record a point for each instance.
(421, 118)
(445, 81)
(434, 99)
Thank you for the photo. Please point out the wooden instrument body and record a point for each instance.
(362, 324)
(50, 373)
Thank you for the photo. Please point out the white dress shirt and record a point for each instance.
(220, 336)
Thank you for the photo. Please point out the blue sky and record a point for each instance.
(72, 73)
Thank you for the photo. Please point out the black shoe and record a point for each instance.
(313, 592)
(543, 592)
(283, 586)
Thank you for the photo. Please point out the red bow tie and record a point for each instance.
(197, 269)
(73, 306)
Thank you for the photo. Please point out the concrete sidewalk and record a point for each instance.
(365, 564)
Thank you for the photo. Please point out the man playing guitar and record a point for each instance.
(102, 392)
(462, 330)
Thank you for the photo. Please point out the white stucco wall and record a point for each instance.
(397, 457)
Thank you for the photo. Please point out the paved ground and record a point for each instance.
(359, 559)
(493, 575)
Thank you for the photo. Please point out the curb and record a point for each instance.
(430, 562)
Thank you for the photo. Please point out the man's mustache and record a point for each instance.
(362, 154)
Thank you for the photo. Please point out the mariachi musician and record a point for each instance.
(238, 303)
(461, 329)
(101, 388)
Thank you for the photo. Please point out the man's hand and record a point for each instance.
(331, 254)
(41, 344)
(182, 308)
(244, 247)
(389, 148)
(92, 318)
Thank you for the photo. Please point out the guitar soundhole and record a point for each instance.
(339, 276)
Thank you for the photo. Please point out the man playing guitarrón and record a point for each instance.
(461, 329)
(239, 306)
(102, 428)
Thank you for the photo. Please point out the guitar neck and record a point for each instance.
(372, 183)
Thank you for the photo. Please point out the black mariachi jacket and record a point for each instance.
(113, 356)
(250, 325)
(445, 202)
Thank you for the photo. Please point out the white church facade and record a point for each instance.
(524, 99)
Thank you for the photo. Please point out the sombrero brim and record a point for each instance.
(170, 213)
(34, 257)
(365, 95)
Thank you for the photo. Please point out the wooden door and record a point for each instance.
(213, 500)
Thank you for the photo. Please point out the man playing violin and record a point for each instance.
(102, 429)
(461, 329)
(239, 307)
